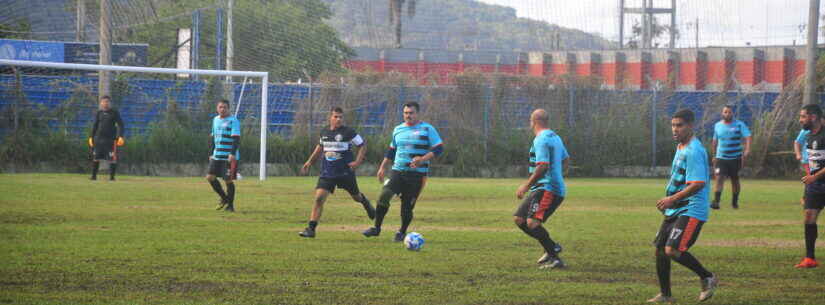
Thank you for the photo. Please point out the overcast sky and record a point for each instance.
(721, 22)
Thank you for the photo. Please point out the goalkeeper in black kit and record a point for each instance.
(107, 135)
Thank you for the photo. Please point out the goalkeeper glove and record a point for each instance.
(120, 141)
(91, 142)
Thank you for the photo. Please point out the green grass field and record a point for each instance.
(147, 240)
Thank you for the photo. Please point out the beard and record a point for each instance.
(806, 126)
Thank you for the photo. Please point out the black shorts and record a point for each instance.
(540, 204)
(678, 232)
(223, 170)
(105, 150)
(814, 201)
(407, 184)
(728, 167)
(347, 182)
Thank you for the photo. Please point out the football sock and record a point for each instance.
(735, 199)
(380, 212)
(363, 200)
(716, 196)
(230, 193)
(663, 272)
(95, 168)
(689, 261)
(406, 216)
(810, 239)
(543, 237)
(112, 170)
(216, 185)
(312, 225)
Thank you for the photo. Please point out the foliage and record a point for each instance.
(657, 31)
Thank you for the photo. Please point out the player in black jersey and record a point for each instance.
(810, 117)
(106, 137)
(337, 167)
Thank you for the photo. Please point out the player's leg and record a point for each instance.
(390, 188)
(350, 184)
(721, 174)
(100, 152)
(215, 169)
(323, 188)
(684, 234)
(95, 168)
(735, 187)
(113, 162)
(229, 178)
(813, 206)
(663, 263)
(548, 203)
(409, 196)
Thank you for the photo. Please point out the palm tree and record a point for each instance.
(395, 16)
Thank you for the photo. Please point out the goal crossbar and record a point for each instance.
(263, 75)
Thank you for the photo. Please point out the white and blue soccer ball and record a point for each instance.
(414, 241)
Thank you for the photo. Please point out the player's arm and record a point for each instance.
(94, 128)
(236, 143)
(389, 157)
(797, 149)
(312, 157)
(713, 144)
(211, 145)
(696, 173)
(121, 128)
(358, 141)
(436, 149)
(808, 179)
(693, 187)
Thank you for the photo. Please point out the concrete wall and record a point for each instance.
(712, 69)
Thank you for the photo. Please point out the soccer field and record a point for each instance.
(148, 240)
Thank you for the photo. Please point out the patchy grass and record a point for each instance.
(144, 240)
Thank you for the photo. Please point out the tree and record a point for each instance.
(657, 30)
(395, 16)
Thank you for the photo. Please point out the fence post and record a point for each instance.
(486, 120)
(196, 38)
(571, 98)
(311, 116)
(653, 124)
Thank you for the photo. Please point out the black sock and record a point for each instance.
(543, 237)
(717, 196)
(112, 170)
(380, 212)
(663, 272)
(689, 261)
(406, 216)
(526, 230)
(230, 194)
(313, 224)
(95, 168)
(735, 199)
(810, 239)
(216, 185)
(363, 200)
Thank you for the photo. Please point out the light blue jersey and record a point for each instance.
(802, 139)
(690, 165)
(222, 131)
(413, 141)
(549, 149)
(729, 137)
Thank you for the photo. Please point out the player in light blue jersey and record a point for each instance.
(685, 208)
(732, 144)
(545, 188)
(223, 160)
(414, 143)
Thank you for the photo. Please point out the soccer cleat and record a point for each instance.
(308, 232)
(221, 205)
(734, 205)
(372, 231)
(557, 248)
(659, 298)
(230, 208)
(111, 178)
(553, 263)
(807, 263)
(368, 207)
(93, 178)
(714, 205)
(545, 258)
(399, 237)
(708, 287)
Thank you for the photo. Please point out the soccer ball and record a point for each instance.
(413, 241)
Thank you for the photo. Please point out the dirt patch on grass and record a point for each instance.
(759, 243)
(15, 218)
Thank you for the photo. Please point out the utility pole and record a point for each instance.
(697, 32)
(104, 77)
(621, 24)
(80, 23)
(673, 24)
(648, 12)
(230, 44)
(810, 60)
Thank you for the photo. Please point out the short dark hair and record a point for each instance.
(732, 109)
(413, 105)
(336, 110)
(223, 101)
(813, 109)
(105, 97)
(684, 114)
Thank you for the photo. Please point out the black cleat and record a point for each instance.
(368, 207)
(308, 232)
(554, 263)
(714, 205)
(111, 178)
(399, 237)
(221, 205)
(373, 231)
(93, 178)
(230, 208)
(735, 205)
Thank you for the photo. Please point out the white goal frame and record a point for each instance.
(263, 75)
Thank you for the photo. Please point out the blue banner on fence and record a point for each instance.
(32, 50)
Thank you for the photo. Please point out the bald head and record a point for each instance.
(540, 117)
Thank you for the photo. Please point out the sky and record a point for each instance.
(721, 22)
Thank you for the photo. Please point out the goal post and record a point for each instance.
(90, 67)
